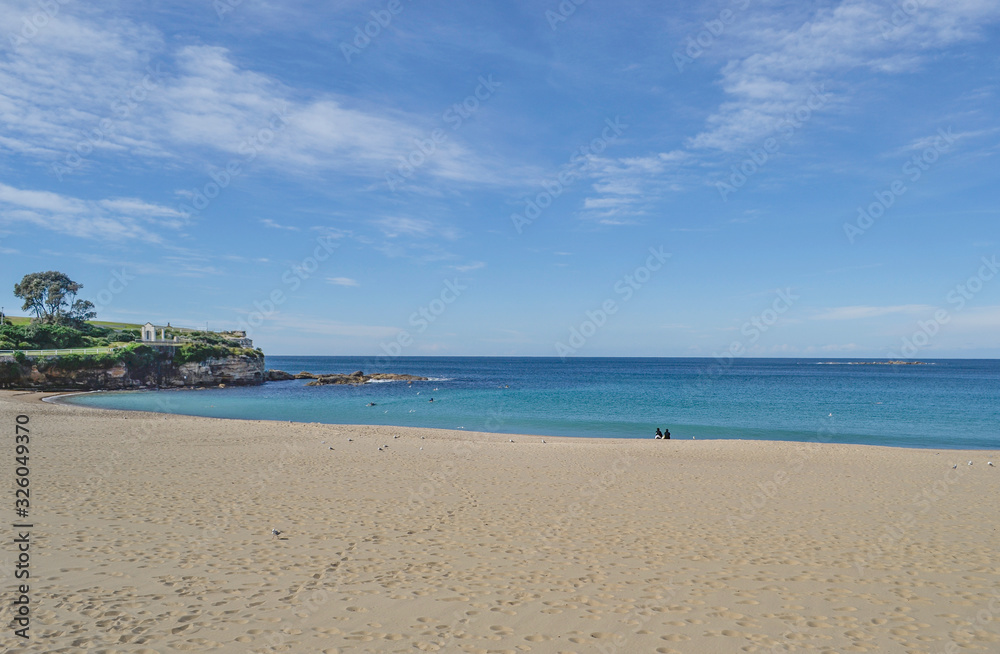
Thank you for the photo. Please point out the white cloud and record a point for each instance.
(267, 222)
(197, 103)
(775, 78)
(469, 267)
(774, 65)
(396, 226)
(861, 312)
(118, 219)
(342, 281)
(627, 185)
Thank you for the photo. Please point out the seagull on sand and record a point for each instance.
(954, 466)
(970, 463)
(275, 533)
(990, 464)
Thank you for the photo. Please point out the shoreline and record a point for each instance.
(55, 398)
(152, 533)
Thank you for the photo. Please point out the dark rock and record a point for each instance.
(358, 378)
(306, 375)
(386, 375)
(325, 380)
(278, 375)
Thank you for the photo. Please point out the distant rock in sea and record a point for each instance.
(355, 378)
(359, 377)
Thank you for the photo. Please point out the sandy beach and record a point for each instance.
(152, 533)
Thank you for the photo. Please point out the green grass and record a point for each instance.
(114, 325)
(24, 320)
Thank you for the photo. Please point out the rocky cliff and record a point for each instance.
(236, 371)
(47, 375)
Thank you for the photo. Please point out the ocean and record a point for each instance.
(947, 404)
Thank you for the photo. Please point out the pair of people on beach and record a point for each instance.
(662, 434)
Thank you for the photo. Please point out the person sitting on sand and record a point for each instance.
(666, 433)
(659, 434)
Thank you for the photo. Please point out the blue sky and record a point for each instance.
(416, 177)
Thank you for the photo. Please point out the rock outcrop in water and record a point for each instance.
(355, 378)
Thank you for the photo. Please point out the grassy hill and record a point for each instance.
(99, 345)
(19, 333)
(118, 326)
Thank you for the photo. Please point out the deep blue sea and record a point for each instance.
(948, 404)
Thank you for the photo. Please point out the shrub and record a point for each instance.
(125, 336)
(136, 355)
(198, 352)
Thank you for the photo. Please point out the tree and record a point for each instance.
(50, 295)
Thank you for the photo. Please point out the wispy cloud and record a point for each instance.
(861, 312)
(342, 281)
(766, 85)
(771, 67)
(117, 219)
(267, 222)
(469, 267)
(627, 186)
(201, 103)
(396, 226)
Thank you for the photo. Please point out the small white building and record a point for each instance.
(149, 334)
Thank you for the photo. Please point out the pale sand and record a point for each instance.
(152, 534)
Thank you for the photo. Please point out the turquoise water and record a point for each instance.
(950, 404)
